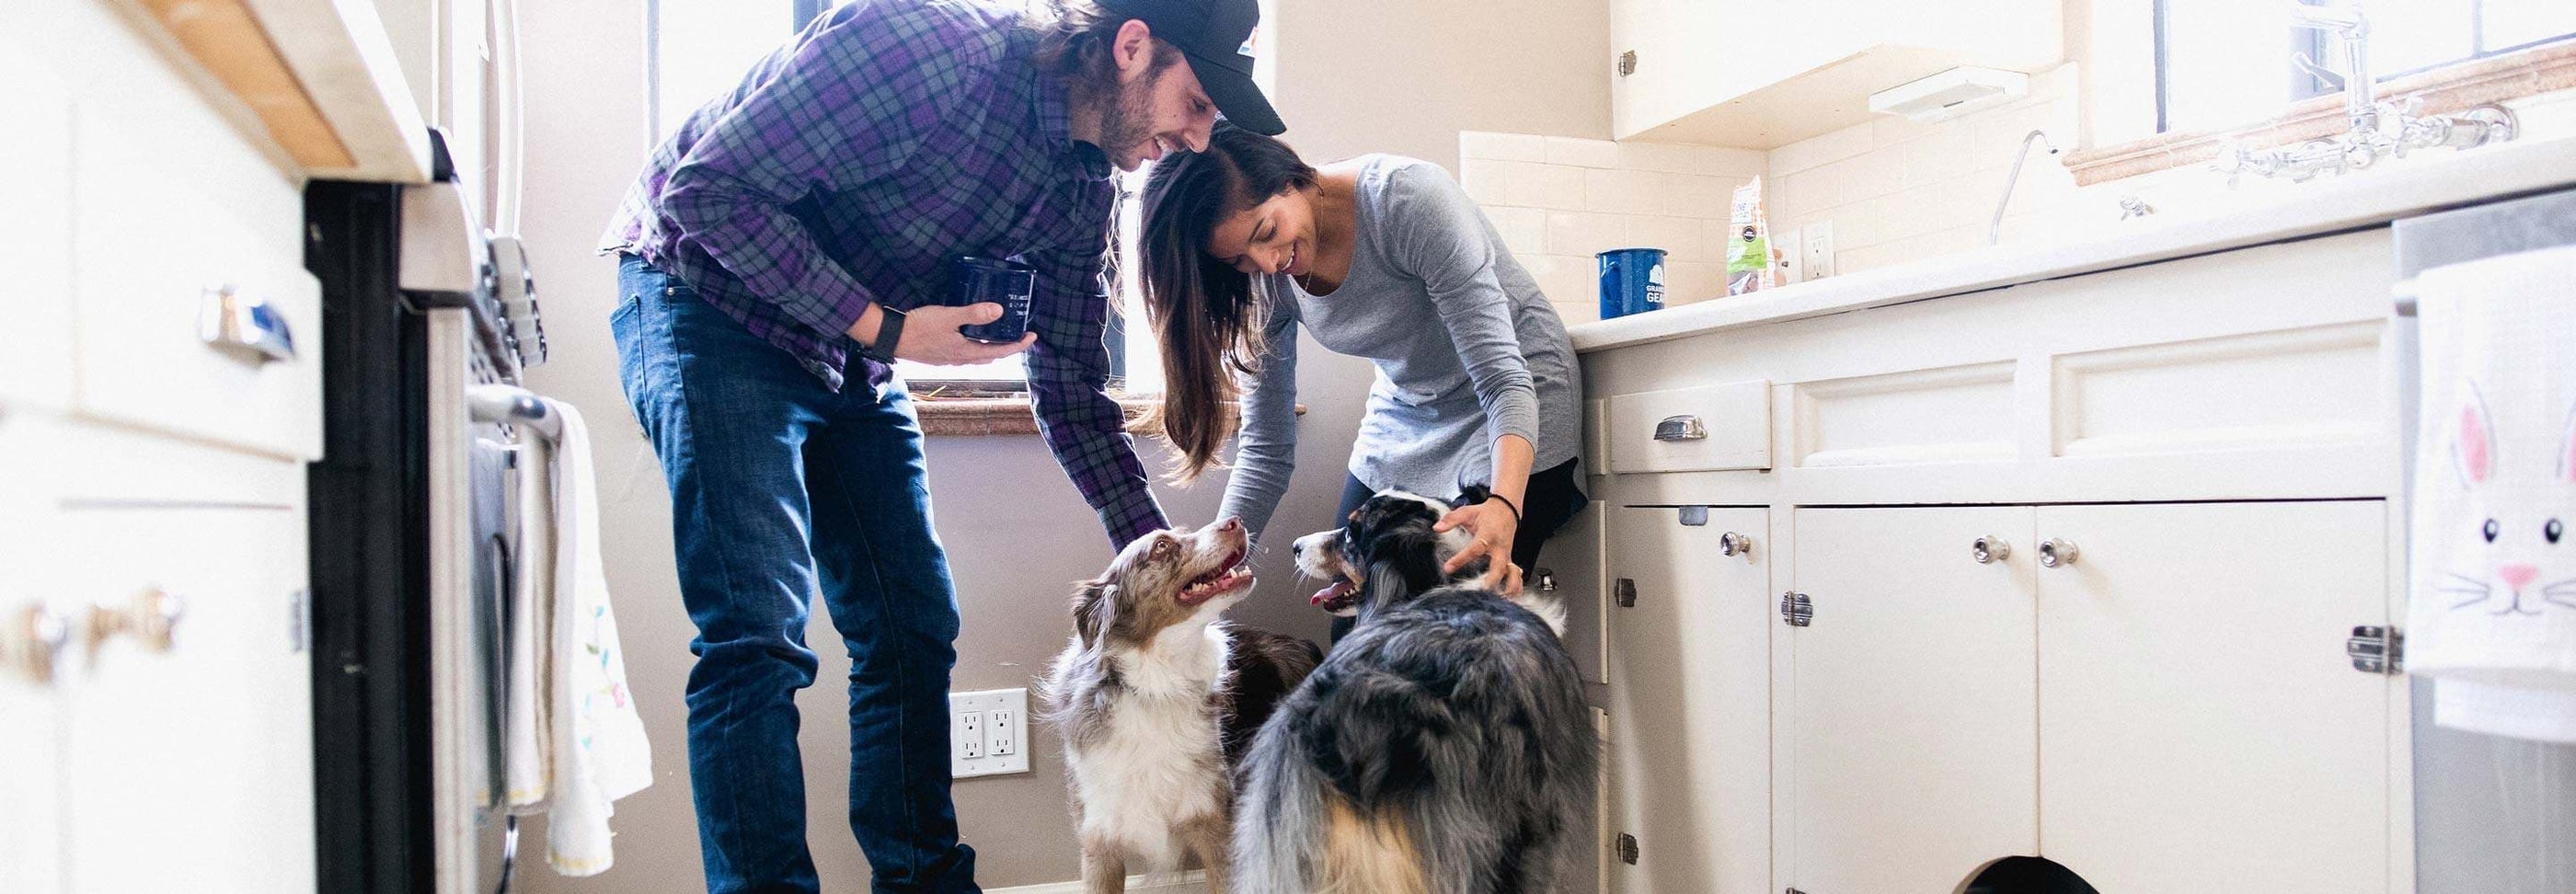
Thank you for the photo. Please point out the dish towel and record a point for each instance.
(531, 611)
(2492, 614)
(597, 749)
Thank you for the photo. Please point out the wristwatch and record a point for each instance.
(889, 333)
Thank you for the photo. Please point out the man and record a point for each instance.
(780, 251)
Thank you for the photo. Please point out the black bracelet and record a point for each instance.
(889, 331)
(1508, 504)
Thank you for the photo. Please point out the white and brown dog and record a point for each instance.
(1157, 698)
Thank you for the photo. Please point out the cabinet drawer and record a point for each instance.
(1703, 428)
(151, 252)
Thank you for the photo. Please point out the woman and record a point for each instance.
(1381, 257)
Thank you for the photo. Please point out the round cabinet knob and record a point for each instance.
(2056, 552)
(1989, 550)
(1734, 544)
(33, 643)
(152, 619)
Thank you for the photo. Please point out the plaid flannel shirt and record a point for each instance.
(856, 163)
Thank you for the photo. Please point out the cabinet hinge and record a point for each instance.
(1627, 849)
(1694, 516)
(1627, 63)
(1624, 593)
(2377, 650)
(1796, 610)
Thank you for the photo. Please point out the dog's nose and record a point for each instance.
(1297, 549)
(1230, 525)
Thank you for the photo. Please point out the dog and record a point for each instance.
(1443, 747)
(1157, 699)
(1340, 598)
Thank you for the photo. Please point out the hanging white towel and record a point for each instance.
(2493, 607)
(598, 749)
(531, 630)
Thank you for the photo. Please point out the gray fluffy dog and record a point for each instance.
(1443, 747)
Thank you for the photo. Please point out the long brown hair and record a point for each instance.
(1207, 314)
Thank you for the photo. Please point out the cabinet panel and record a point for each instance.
(1691, 703)
(1724, 426)
(191, 769)
(1573, 559)
(35, 240)
(2200, 727)
(30, 709)
(1914, 698)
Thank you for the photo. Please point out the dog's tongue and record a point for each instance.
(1332, 596)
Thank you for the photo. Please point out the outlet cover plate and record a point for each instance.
(988, 732)
(1818, 240)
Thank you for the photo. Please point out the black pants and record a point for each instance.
(1553, 497)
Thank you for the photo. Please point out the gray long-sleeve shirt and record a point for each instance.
(1466, 347)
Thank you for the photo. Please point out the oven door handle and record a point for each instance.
(514, 405)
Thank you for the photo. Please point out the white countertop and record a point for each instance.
(2326, 205)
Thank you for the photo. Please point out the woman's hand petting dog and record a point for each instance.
(1493, 525)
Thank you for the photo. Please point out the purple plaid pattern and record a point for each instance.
(855, 164)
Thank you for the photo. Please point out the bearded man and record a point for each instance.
(779, 252)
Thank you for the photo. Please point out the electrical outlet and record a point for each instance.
(987, 734)
(1793, 257)
(1818, 240)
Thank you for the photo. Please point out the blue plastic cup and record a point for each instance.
(1632, 281)
(1007, 283)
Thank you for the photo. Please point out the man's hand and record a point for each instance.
(930, 334)
(1493, 526)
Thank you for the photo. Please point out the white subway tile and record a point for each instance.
(1582, 153)
(1554, 187)
(1681, 238)
(1575, 312)
(1692, 195)
(1501, 146)
(1611, 192)
(1674, 158)
(1687, 282)
(1821, 150)
(1804, 192)
(1524, 229)
(1487, 181)
(1582, 233)
(1944, 151)
(1867, 175)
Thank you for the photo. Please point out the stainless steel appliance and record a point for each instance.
(416, 531)
(2492, 815)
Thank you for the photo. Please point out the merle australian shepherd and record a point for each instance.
(1157, 699)
(1442, 748)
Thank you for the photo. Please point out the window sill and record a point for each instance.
(2530, 72)
(1012, 415)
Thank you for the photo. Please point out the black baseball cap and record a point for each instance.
(1218, 37)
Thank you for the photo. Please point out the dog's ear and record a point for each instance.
(1472, 495)
(1401, 564)
(1091, 604)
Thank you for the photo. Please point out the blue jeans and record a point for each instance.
(781, 488)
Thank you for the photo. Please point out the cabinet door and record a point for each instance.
(2200, 727)
(1914, 699)
(1690, 714)
(191, 769)
(1572, 560)
(30, 708)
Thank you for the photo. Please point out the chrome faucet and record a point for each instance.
(2377, 129)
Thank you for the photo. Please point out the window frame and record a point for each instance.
(2314, 43)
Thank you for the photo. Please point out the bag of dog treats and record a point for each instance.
(1749, 265)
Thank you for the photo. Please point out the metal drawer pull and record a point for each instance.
(1734, 544)
(33, 642)
(153, 619)
(1681, 428)
(1989, 550)
(228, 320)
(2056, 552)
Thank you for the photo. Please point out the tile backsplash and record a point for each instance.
(1559, 200)
(1894, 191)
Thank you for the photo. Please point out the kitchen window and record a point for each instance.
(701, 48)
(2228, 63)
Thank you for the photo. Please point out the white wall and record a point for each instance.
(1016, 532)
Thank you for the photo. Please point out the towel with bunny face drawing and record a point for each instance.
(2493, 608)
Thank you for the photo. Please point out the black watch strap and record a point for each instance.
(889, 333)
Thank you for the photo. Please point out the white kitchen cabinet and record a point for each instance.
(190, 768)
(1915, 698)
(1759, 73)
(30, 705)
(2200, 728)
(1690, 705)
(35, 240)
